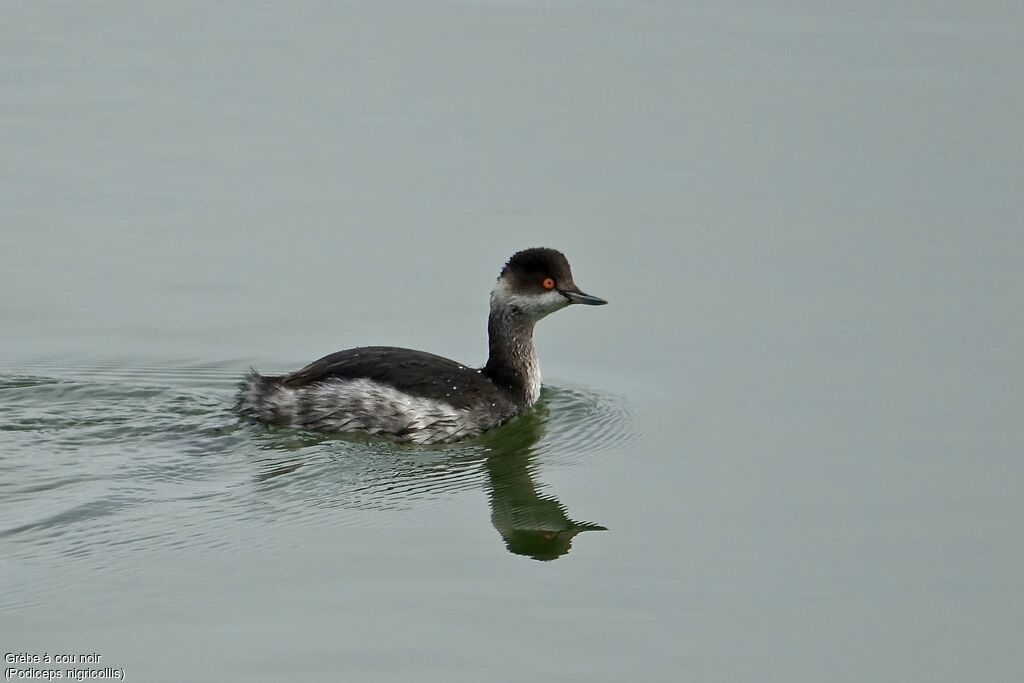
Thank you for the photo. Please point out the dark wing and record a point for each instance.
(414, 372)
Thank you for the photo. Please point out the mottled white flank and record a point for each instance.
(340, 405)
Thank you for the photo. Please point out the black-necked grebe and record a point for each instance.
(415, 396)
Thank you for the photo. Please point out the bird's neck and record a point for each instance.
(512, 361)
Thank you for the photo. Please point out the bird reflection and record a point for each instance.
(531, 524)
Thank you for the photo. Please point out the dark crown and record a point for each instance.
(539, 261)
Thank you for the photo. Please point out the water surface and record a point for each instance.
(789, 449)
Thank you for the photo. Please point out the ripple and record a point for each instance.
(583, 422)
(116, 457)
(89, 510)
(89, 451)
(129, 372)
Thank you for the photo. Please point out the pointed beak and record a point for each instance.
(575, 296)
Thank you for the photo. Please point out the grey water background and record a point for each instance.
(799, 419)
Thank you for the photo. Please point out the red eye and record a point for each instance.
(548, 283)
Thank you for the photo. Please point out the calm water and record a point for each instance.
(789, 450)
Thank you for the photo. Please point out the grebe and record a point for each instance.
(408, 395)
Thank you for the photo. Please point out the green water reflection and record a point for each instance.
(531, 523)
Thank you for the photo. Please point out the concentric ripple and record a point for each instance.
(583, 421)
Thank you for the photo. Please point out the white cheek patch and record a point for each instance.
(534, 306)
